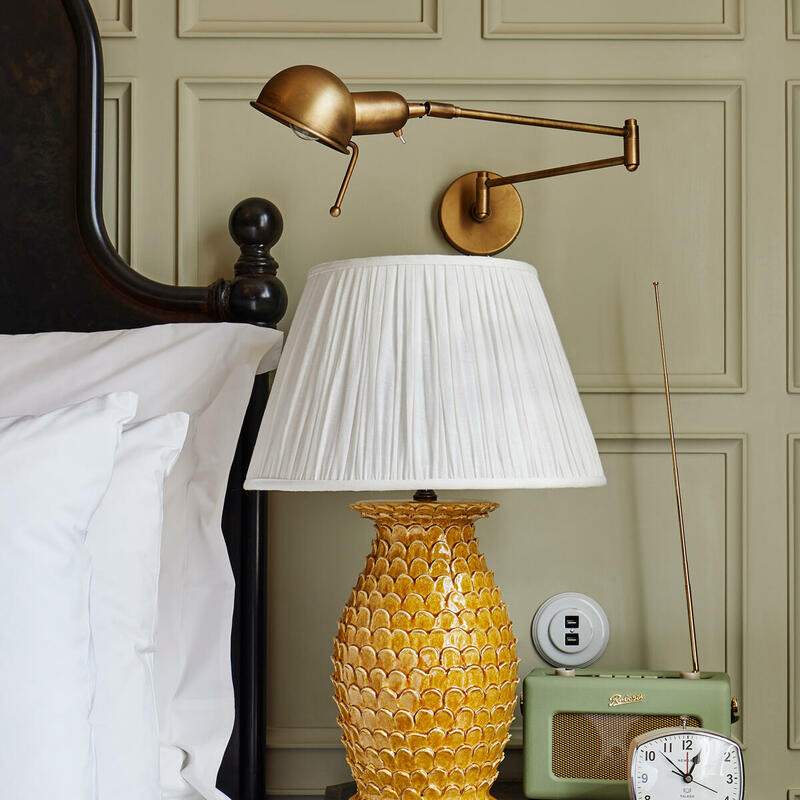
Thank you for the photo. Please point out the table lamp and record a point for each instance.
(424, 373)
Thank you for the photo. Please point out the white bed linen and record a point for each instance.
(54, 470)
(124, 542)
(205, 370)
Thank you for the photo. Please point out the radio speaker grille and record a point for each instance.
(595, 746)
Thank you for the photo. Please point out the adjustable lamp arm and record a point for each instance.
(317, 105)
(481, 208)
(387, 112)
(629, 132)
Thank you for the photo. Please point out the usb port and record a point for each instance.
(571, 621)
(572, 639)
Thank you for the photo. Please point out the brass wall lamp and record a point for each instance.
(480, 212)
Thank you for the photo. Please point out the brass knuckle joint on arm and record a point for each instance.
(441, 110)
(481, 209)
(631, 145)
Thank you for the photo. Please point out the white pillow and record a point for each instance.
(124, 542)
(206, 370)
(54, 470)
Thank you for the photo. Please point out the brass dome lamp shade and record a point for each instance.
(480, 212)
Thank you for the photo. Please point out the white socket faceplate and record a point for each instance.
(570, 630)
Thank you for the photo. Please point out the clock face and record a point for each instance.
(686, 764)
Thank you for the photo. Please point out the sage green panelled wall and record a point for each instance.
(715, 85)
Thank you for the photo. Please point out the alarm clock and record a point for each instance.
(678, 762)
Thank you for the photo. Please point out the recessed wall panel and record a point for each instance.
(794, 591)
(677, 220)
(793, 229)
(114, 17)
(793, 19)
(613, 19)
(117, 163)
(314, 18)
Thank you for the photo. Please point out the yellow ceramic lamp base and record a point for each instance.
(425, 664)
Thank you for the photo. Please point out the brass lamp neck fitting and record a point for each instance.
(379, 112)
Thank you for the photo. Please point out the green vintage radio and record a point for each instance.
(578, 724)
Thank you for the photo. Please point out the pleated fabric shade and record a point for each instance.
(423, 372)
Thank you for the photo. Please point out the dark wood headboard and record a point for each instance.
(59, 271)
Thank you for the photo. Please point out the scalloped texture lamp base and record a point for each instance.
(425, 663)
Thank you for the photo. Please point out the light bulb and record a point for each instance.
(305, 135)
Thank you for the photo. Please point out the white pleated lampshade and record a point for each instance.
(423, 372)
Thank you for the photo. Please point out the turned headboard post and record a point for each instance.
(254, 295)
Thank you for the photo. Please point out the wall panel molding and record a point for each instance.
(115, 18)
(118, 107)
(603, 19)
(724, 362)
(320, 749)
(793, 232)
(400, 19)
(793, 549)
(793, 19)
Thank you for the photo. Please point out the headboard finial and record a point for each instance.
(256, 294)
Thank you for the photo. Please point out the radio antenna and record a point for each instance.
(695, 673)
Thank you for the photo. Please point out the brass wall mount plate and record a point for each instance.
(475, 238)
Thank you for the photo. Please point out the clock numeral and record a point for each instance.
(645, 777)
(687, 744)
(729, 778)
(667, 747)
(650, 755)
(727, 758)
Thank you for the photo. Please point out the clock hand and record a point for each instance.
(686, 775)
(695, 762)
(680, 771)
(705, 787)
